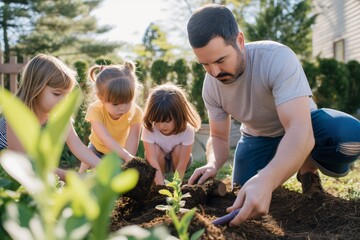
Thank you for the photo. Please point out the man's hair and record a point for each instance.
(212, 21)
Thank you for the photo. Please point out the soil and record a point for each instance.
(291, 216)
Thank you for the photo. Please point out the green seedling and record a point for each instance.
(175, 205)
(174, 200)
(182, 225)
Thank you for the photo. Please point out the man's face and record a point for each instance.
(222, 61)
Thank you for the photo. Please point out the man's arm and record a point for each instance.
(217, 150)
(255, 196)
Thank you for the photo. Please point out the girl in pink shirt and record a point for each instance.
(170, 122)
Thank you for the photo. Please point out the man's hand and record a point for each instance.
(203, 173)
(253, 199)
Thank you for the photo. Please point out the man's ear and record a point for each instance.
(240, 40)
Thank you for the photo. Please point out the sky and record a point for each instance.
(130, 18)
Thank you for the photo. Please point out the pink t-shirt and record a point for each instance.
(167, 143)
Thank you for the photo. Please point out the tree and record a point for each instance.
(154, 43)
(154, 47)
(64, 28)
(285, 21)
(12, 12)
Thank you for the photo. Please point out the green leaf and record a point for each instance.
(163, 207)
(20, 168)
(71, 227)
(108, 168)
(176, 221)
(134, 231)
(186, 195)
(186, 219)
(125, 181)
(82, 200)
(22, 121)
(18, 220)
(197, 234)
(166, 192)
(54, 136)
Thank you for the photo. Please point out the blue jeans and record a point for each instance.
(94, 150)
(337, 145)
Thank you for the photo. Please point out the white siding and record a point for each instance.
(338, 19)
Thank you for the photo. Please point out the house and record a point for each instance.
(336, 33)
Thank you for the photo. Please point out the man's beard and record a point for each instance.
(240, 68)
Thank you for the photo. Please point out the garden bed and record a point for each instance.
(292, 216)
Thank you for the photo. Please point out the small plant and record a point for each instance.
(182, 225)
(174, 200)
(175, 205)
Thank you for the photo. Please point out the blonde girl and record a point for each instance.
(170, 122)
(115, 117)
(45, 81)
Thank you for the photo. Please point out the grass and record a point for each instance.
(347, 187)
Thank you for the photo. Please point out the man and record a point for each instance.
(262, 85)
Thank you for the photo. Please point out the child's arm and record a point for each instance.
(132, 142)
(150, 155)
(83, 167)
(78, 148)
(104, 136)
(184, 157)
(12, 141)
(15, 145)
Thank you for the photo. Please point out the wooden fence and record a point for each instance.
(9, 72)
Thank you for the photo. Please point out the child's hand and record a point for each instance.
(128, 157)
(159, 179)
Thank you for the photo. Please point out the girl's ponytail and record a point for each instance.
(130, 65)
(92, 72)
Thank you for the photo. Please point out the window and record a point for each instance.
(339, 50)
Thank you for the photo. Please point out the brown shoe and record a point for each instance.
(310, 183)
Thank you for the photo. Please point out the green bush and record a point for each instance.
(198, 73)
(103, 61)
(312, 72)
(182, 70)
(333, 84)
(159, 71)
(353, 102)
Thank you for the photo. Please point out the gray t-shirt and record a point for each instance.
(273, 75)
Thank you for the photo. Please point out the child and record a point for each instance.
(170, 122)
(115, 117)
(45, 81)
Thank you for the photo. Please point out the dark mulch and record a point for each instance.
(291, 216)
